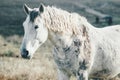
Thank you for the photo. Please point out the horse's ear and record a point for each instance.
(41, 8)
(26, 9)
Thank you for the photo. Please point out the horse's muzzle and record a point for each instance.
(25, 54)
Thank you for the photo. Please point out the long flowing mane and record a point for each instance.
(60, 20)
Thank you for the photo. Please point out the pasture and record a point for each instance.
(42, 66)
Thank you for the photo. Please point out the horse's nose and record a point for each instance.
(25, 54)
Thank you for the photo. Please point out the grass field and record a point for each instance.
(42, 66)
(13, 67)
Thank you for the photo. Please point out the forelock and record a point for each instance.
(33, 15)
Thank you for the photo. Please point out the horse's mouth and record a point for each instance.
(26, 57)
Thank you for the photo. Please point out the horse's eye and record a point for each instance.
(36, 27)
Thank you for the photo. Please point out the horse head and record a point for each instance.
(35, 33)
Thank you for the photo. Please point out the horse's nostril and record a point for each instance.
(25, 53)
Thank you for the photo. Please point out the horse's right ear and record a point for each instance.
(26, 9)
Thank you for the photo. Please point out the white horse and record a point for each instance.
(80, 49)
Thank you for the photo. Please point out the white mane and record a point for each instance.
(61, 20)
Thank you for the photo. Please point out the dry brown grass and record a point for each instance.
(19, 69)
(13, 67)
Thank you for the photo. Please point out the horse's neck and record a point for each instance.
(55, 27)
(60, 40)
(65, 40)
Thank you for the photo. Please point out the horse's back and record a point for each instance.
(112, 29)
(112, 33)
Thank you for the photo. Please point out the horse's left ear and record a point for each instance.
(41, 8)
(26, 9)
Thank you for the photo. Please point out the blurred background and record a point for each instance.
(42, 66)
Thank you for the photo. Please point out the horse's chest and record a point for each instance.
(67, 58)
